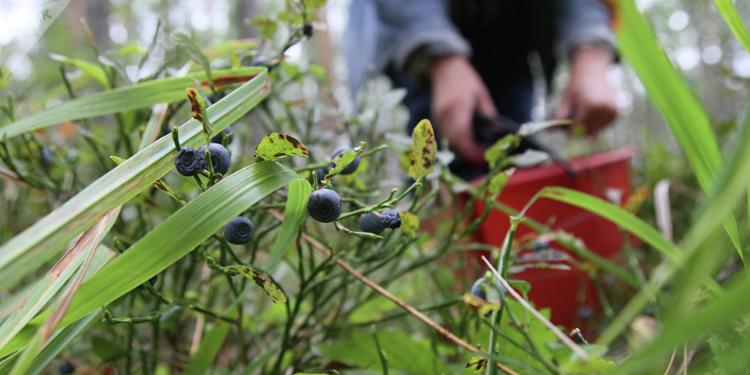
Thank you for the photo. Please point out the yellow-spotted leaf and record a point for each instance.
(260, 278)
(482, 307)
(276, 145)
(409, 223)
(423, 151)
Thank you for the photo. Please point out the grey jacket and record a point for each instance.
(383, 32)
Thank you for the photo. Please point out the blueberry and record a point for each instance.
(66, 367)
(307, 30)
(219, 138)
(477, 290)
(352, 167)
(153, 280)
(220, 158)
(321, 173)
(189, 161)
(371, 223)
(390, 219)
(324, 205)
(239, 231)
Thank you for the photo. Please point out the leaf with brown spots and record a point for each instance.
(409, 223)
(197, 104)
(261, 279)
(423, 151)
(276, 145)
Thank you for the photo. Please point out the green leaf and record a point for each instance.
(341, 161)
(531, 128)
(201, 362)
(409, 223)
(169, 241)
(732, 18)
(670, 93)
(196, 54)
(106, 350)
(295, 213)
(61, 341)
(276, 145)
(499, 151)
(497, 184)
(142, 95)
(260, 278)
(37, 244)
(423, 151)
(93, 70)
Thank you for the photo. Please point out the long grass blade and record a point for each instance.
(733, 20)
(169, 241)
(295, 213)
(671, 94)
(43, 240)
(141, 95)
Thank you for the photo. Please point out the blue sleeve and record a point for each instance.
(383, 32)
(583, 22)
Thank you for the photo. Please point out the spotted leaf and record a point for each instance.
(276, 145)
(423, 151)
(260, 278)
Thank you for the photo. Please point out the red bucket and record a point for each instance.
(569, 293)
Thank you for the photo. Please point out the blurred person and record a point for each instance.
(458, 58)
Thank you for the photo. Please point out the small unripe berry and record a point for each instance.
(390, 219)
(189, 161)
(239, 231)
(371, 223)
(477, 290)
(220, 158)
(324, 205)
(352, 167)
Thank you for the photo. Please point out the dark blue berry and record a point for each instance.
(153, 280)
(66, 367)
(585, 312)
(321, 173)
(349, 169)
(219, 138)
(324, 205)
(371, 223)
(390, 219)
(220, 158)
(189, 161)
(477, 290)
(239, 231)
(307, 30)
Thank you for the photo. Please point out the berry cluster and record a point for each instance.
(190, 162)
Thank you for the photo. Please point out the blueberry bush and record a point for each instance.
(227, 215)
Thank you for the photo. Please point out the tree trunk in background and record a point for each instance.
(244, 11)
(97, 13)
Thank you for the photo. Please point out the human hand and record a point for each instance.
(457, 93)
(588, 99)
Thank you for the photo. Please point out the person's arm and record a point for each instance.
(586, 39)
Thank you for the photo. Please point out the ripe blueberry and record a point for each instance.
(352, 167)
(219, 138)
(153, 280)
(66, 367)
(371, 223)
(321, 173)
(189, 161)
(239, 231)
(390, 219)
(324, 205)
(477, 290)
(307, 30)
(220, 158)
